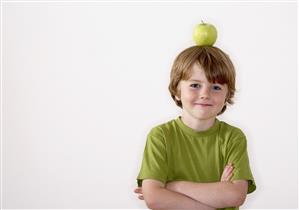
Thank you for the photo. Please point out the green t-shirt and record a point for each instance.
(174, 152)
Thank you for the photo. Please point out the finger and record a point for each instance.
(227, 171)
(229, 165)
(230, 177)
(141, 197)
(226, 179)
(138, 190)
(224, 172)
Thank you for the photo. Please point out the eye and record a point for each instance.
(195, 85)
(217, 87)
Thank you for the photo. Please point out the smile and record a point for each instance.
(203, 105)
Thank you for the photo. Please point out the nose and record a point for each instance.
(204, 92)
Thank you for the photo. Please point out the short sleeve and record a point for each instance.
(236, 153)
(154, 163)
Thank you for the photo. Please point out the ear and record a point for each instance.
(178, 92)
(226, 98)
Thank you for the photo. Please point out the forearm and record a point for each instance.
(216, 194)
(165, 199)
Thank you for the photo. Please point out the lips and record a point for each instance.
(203, 104)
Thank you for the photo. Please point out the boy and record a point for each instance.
(197, 161)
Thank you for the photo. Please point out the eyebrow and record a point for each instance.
(196, 80)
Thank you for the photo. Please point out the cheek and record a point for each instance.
(188, 95)
(221, 99)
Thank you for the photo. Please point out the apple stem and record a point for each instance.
(202, 22)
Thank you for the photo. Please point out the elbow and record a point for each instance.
(149, 201)
(152, 194)
(152, 200)
(239, 199)
(151, 205)
(235, 199)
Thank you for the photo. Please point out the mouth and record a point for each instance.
(203, 105)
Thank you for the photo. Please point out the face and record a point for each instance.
(200, 99)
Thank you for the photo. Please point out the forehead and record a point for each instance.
(197, 73)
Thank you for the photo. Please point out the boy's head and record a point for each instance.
(217, 67)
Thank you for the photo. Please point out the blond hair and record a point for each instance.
(216, 64)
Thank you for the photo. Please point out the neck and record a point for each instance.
(197, 124)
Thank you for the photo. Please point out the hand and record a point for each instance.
(227, 173)
(138, 191)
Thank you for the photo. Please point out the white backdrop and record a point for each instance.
(82, 84)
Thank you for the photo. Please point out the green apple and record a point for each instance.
(204, 34)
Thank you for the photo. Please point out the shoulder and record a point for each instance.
(228, 129)
(158, 135)
(163, 129)
(230, 132)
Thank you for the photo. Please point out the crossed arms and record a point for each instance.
(191, 195)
